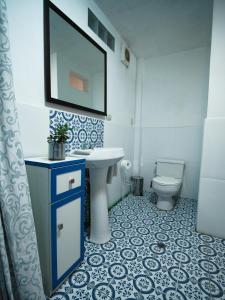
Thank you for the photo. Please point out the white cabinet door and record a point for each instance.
(68, 220)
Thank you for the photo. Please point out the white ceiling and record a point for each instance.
(159, 27)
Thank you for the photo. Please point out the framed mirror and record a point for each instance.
(75, 65)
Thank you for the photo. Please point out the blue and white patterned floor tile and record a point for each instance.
(132, 266)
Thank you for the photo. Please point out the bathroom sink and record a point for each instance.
(98, 161)
(100, 157)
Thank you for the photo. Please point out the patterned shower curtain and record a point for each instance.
(20, 276)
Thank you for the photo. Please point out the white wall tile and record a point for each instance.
(175, 89)
(148, 172)
(216, 106)
(211, 207)
(213, 155)
(157, 142)
(191, 180)
(27, 57)
(116, 135)
(34, 129)
(188, 143)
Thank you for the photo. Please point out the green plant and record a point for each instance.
(60, 134)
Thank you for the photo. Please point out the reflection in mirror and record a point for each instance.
(77, 65)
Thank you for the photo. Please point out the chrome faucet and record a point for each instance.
(85, 146)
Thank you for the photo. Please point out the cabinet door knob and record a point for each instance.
(71, 181)
(60, 226)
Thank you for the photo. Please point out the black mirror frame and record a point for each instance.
(47, 5)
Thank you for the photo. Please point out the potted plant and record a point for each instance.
(56, 142)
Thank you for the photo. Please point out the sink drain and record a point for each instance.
(161, 245)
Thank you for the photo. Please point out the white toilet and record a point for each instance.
(167, 183)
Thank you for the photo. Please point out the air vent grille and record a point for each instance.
(100, 30)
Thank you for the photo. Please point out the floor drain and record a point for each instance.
(161, 245)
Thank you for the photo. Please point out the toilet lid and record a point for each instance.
(163, 180)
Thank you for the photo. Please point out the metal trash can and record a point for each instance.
(137, 185)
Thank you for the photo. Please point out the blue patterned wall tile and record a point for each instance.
(84, 131)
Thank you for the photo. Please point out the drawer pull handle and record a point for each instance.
(71, 181)
(60, 226)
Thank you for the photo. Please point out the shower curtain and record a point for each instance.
(20, 276)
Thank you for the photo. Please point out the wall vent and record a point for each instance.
(100, 30)
(125, 55)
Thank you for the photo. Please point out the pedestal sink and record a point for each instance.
(98, 161)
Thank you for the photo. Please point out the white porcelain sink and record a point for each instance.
(98, 161)
(100, 157)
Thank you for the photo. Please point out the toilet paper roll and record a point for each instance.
(126, 164)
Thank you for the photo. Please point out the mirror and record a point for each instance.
(75, 65)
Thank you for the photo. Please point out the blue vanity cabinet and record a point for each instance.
(57, 194)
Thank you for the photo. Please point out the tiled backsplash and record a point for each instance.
(84, 131)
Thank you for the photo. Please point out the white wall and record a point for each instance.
(27, 49)
(174, 105)
(211, 205)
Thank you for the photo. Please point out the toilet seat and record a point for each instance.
(163, 180)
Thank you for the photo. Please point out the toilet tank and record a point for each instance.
(170, 168)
